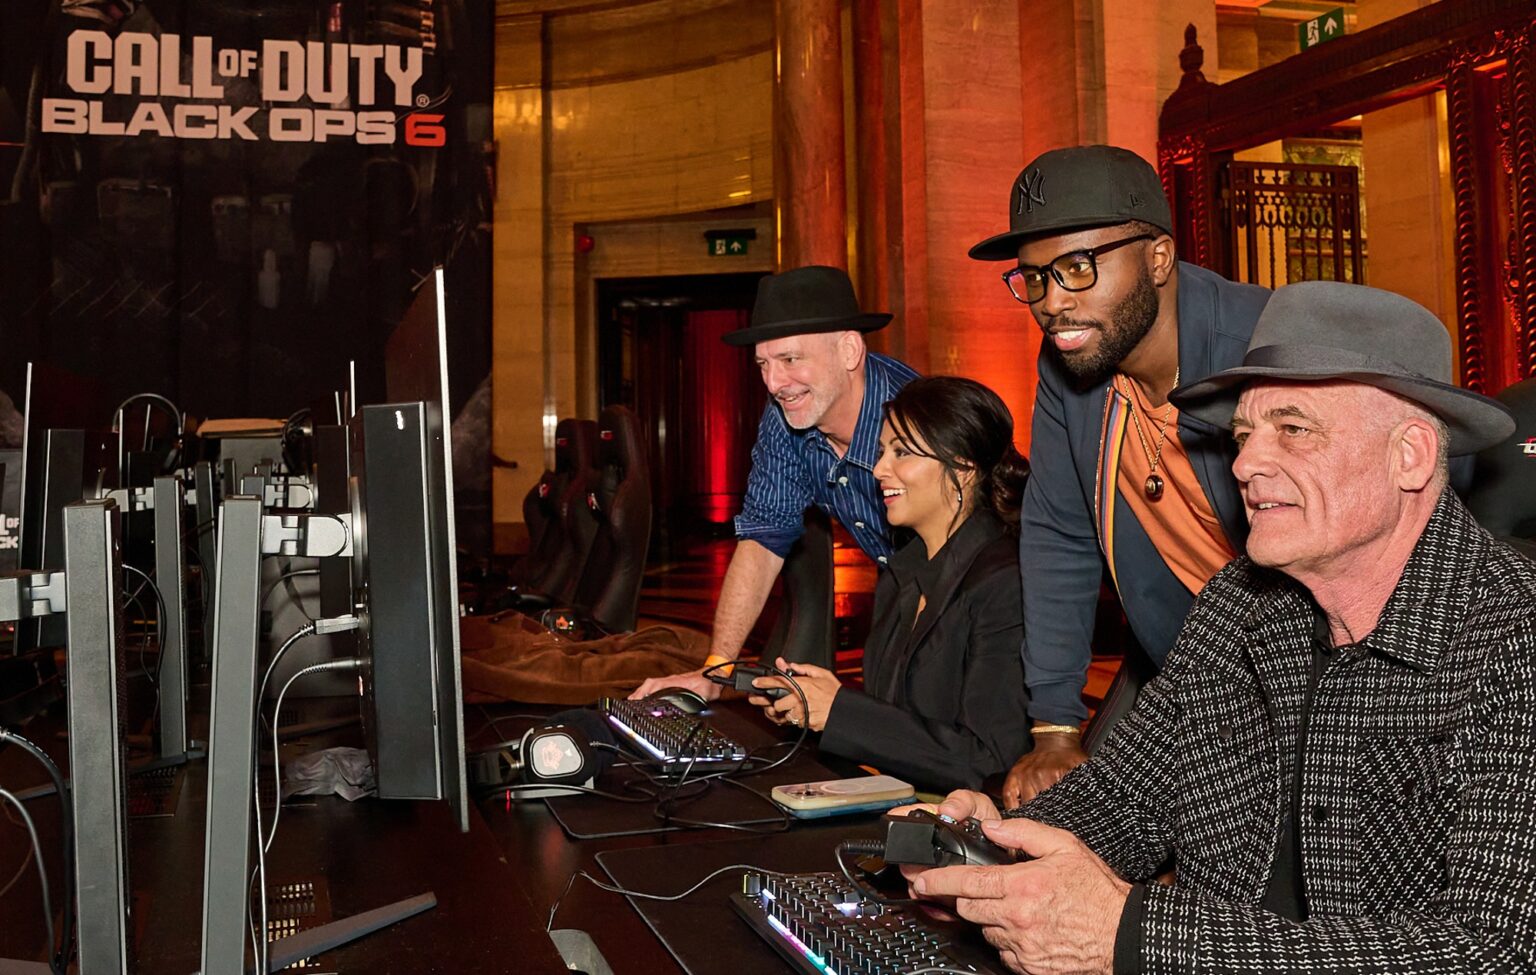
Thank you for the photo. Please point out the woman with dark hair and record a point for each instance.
(943, 704)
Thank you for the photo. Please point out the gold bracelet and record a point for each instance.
(1055, 729)
(715, 660)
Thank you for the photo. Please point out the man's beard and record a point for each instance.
(1129, 323)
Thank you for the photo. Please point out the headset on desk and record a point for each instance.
(519, 777)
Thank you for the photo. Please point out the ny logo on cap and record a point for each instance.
(1031, 190)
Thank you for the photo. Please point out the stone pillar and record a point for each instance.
(809, 193)
(1139, 46)
(520, 376)
(1409, 206)
(872, 189)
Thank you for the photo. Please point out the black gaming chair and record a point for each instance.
(1503, 492)
(541, 513)
(568, 526)
(805, 630)
(620, 503)
(578, 445)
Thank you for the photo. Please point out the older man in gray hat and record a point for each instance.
(1339, 758)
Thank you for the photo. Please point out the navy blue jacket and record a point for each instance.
(1060, 558)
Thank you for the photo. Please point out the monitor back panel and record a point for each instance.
(402, 625)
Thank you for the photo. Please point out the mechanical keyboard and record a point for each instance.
(672, 736)
(822, 925)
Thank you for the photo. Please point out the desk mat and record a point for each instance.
(702, 931)
(586, 817)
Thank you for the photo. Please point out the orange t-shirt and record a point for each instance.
(1181, 524)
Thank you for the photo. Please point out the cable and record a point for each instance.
(784, 824)
(805, 707)
(651, 897)
(495, 721)
(868, 848)
(285, 577)
(494, 790)
(349, 663)
(19, 871)
(66, 833)
(42, 873)
(299, 634)
(160, 616)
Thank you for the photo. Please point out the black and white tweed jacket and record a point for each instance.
(1418, 825)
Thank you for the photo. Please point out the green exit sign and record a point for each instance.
(727, 246)
(1324, 27)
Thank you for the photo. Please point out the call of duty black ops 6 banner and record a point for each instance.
(226, 201)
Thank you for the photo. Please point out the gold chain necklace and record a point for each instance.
(1153, 487)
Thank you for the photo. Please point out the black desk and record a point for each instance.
(545, 858)
(361, 855)
(495, 885)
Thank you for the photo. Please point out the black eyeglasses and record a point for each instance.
(1074, 271)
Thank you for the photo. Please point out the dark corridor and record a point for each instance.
(699, 400)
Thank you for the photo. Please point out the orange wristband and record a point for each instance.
(715, 660)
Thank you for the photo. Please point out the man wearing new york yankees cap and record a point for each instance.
(1339, 756)
(1123, 484)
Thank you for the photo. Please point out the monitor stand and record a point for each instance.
(231, 767)
(97, 802)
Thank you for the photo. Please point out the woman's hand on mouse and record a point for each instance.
(818, 684)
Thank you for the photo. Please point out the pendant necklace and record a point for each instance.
(1153, 487)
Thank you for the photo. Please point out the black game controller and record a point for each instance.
(925, 839)
(742, 676)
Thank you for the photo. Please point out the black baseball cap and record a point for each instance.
(1075, 189)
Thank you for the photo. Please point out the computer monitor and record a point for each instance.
(404, 566)
(98, 767)
(65, 457)
(400, 492)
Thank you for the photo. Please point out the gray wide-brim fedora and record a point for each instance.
(802, 301)
(1318, 330)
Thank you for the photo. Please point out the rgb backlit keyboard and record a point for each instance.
(665, 732)
(822, 925)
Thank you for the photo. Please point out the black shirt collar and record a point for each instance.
(912, 564)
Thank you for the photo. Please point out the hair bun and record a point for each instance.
(1008, 477)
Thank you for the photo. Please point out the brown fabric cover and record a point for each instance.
(516, 659)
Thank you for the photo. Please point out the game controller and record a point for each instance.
(742, 676)
(927, 839)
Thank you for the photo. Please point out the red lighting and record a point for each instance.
(585, 243)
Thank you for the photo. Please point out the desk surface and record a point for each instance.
(495, 885)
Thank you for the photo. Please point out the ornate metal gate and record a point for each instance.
(1288, 222)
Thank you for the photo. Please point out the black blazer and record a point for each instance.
(944, 703)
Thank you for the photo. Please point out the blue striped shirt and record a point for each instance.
(794, 469)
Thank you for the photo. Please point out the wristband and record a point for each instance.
(1055, 729)
(715, 660)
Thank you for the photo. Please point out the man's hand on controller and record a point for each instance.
(1054, 755)
(960, 805)
(1056, 913)
(693, 680)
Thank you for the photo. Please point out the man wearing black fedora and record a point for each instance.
(1121, 481)
(817, 443)
(1340, 753)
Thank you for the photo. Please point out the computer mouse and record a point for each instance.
(682, 698)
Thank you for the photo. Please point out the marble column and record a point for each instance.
(809, 192)
(1409, 204)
